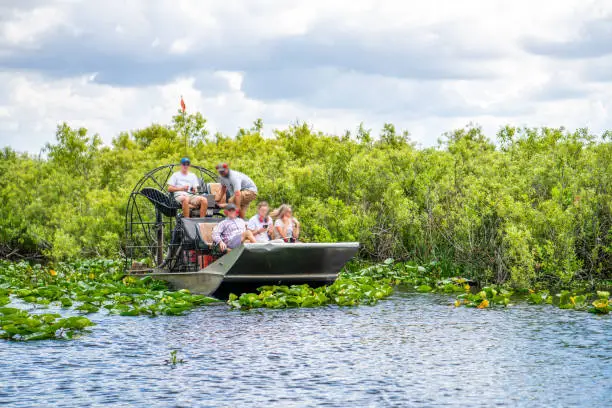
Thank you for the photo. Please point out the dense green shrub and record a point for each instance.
(535, 207)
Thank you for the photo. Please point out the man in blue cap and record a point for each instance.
(184, 184)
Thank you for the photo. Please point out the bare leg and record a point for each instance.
(237, 202)
(185, 205)
(203, 202)
(248, 236)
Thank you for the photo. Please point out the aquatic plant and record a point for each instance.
(487, 297)
(602, 304)
(86, 287)
(174, 360)
(345, 291)
(19, 325)
(539, 297)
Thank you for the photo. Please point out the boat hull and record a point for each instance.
(250, 266)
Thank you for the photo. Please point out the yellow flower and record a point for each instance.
(484, 304)
(466, 287)
(457, 303)
(531, 291)
(573, 300)
(52, 272)
(91, 276)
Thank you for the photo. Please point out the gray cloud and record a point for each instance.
(599, 70)
(64, 54)
(595, 41)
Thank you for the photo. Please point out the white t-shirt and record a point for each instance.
(179, 179)
(279, 223)
(255, 224)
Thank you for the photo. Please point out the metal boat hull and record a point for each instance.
(250, 266)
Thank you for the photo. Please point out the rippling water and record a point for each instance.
(410, 350)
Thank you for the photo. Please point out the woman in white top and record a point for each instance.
(286, 227)
(261, 223)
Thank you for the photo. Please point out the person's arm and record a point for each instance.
(216, 236)
(174, 189)
(252, 226)
(280, 227)
(296, 228)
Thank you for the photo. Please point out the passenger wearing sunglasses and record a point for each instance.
(184, 185)
(241, 189)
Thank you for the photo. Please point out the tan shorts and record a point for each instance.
(247, 197)
(193, 199)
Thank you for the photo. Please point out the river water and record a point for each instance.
(409, 350)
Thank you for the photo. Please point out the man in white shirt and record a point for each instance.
(184, 185)
(261, 223)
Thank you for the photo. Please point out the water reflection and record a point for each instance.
(411, 350)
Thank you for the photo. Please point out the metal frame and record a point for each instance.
(144, 233)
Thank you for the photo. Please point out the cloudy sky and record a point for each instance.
(426, 66)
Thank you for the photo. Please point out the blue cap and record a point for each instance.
(185, 160)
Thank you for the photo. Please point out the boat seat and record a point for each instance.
(205, 230)
(214, 188)
(166, 204)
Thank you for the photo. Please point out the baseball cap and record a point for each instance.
(221, 166)
(185, 160)
(230, 207)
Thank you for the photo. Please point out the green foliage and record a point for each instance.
(537, 209)
(85, 287)
(485, 298)
(174, 360)
(17, 324)
(345, 291)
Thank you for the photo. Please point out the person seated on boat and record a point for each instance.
(184, 184)
(232, 231)
(286, 227)
(261, 223)
(242, 190)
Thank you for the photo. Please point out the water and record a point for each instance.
(410, 350)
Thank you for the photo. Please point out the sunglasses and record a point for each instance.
(186, 164)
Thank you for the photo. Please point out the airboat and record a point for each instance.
(163, 244)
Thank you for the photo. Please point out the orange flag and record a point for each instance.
(183, 105)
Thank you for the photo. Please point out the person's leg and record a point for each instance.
(235, 242)
(201, 203)
(203, 206)
(248, 236)
(183, 200)
(246, 197)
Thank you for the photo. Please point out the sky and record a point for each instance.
(426, 66)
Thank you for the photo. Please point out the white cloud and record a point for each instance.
(115, 65)
(180, 46)
(25, 28)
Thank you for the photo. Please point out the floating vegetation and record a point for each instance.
(100, 286)
(345, 291)
(17, 324)
(485, 298)
(488, 296)
(85, 287)
(602, 304)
